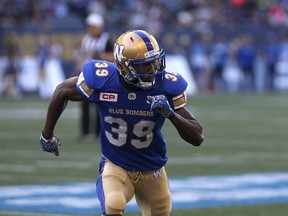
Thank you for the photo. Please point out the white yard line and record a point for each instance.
(65, 164)
(47, 164)
(30, 154)
(89, 160)
(17, 168)
(43, 178)
(27, 113)
(238, 157)
(246, 143)
(7, 177)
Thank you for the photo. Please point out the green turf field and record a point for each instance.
(243, 134)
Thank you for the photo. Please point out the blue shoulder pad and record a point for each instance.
(97, 73)
(175, 84)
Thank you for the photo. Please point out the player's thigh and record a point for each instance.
(114, 189)
(153, 194)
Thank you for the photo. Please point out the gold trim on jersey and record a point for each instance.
(180, 100)
(85, 88)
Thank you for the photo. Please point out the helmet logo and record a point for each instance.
(118, 52)
(151, 53)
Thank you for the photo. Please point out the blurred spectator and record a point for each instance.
(260, 73)
(238, 3)
(200, 62)
(271, 56)
(280, 81)
(246, 56)
(219, 55)
(232, 74)
(42, 54)
(277, 16)
(95, 44)
(10, 76)
(50, 67)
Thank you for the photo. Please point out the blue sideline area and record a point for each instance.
(191, 192)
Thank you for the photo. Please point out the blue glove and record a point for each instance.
(160, 104)
(50, 145)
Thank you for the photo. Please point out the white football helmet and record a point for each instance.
(139, 59)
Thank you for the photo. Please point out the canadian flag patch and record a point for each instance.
(106, 96)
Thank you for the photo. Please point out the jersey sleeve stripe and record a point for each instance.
(180, 101)
(86, 90)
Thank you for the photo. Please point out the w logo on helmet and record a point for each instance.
(118, 52)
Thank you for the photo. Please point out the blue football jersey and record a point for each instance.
(130, 135)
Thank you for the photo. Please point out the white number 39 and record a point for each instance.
(143, 132)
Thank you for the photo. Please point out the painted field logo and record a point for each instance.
(194, 192)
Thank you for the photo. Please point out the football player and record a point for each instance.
(135, 95)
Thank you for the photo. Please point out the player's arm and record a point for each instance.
(64, 92)
(188, 127)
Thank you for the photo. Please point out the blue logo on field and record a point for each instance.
(192, 192)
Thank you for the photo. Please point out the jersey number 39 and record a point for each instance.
(143, 131)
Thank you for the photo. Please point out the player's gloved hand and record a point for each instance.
(50, 145)
(160, 104)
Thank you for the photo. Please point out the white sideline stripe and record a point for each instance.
(243, 189)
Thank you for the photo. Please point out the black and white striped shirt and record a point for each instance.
(95, 44)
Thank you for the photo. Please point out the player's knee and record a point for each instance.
(115, 204)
